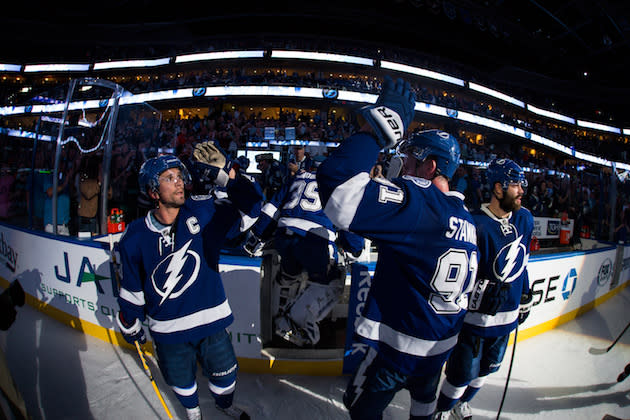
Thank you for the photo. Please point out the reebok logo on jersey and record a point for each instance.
(176, 273)
(510, 261)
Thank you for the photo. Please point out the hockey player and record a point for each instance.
(171, 279)
(427, 253)
(305, 239)
(504, 230)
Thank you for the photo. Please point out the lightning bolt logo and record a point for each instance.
(511, 256)
(174, 272)
(359, 378)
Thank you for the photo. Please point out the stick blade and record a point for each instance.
(594, 350)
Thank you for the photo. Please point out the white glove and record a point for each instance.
(393, 112)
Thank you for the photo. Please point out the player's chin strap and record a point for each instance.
(507, 380)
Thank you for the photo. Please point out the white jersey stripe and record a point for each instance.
(135, 298)
(483, 320)
(196, 319)
(270, 210)
(307, 226)
(404, 343)
(345, 199)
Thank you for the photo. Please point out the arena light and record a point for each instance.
(626, 131)
(550, 114)
(304, 55)
(422, 72)
(292, 91)
(127, 64)
(24, 134)
(35, 68)
(218, 55)
(496, 94)
(596, 126)
(10, 67)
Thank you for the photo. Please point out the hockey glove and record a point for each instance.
(393, 112)
(488, 296)
(131, 333)
(211, 165)
(525, 307)
(254, 245)
(13, 296)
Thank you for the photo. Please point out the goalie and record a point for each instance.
(306, 240)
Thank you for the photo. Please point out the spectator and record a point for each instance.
(272, 174)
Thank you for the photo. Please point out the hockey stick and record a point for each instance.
(148, 371)
(507, 380)
(593, 350)
(112, 254)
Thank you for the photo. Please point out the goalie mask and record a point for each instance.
(150, 171)
(505, 172)
(442, 146)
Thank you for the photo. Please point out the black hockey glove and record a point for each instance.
(488, 296)
(131, 333)
(392, 113)
(211, 164)
(13, 296)
(253, 245)
(525, 307)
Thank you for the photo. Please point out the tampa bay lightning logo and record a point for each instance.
(176, 273)
(103, 103)
(28, 108)
(528, 135)
(199, 91)
(510, 261)
(330, 93)
(451, 113)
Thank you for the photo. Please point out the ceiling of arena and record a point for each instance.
(578, 49)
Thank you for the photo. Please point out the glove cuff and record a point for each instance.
(222, 178)
(386, 123)
(128, 329)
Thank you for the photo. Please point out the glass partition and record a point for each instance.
(70, 156)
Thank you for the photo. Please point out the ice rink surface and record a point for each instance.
(64, 374)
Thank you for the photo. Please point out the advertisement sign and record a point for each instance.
(77, 278)
(359, 288)
(549, 227)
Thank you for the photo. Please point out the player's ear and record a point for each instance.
(498, 190)
(153, 194)
(431, 167)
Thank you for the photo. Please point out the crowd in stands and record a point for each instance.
(583, 194)
(603, 144)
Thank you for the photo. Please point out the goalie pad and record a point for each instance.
(313, 305)
(488, 296)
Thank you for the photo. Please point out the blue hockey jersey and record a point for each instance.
(171, 274)
(427, 258)
(298, 208)
(504, 253)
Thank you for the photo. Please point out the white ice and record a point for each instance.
(64, 374)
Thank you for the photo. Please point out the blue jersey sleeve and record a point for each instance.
(131, 298)
(246, 195)
(350, 242)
